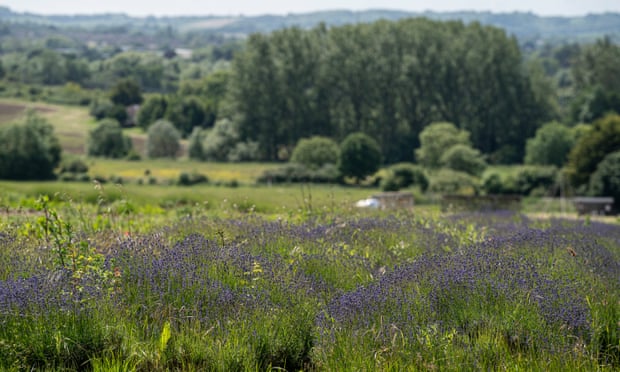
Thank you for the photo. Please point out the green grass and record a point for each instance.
(165, 170)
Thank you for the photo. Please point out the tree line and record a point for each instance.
(388, 80)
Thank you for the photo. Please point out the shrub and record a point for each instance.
(29, 150)
(315, 152)
(593, 145)
(195, 149)
(403, 175)
(447, 181)
(605, 181)
(163, 140)
(107, 140)
(243, 151)
(550, 146)
(360, 155)
(535, 179)
(153, 109)
(494, 183)
(73, 165)
(189, 179)
(133, 155)
(296, 173)
(464, 158)
(220, 141)
(437, 138)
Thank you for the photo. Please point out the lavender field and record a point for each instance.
(375, 292)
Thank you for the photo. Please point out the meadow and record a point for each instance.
(113, 283)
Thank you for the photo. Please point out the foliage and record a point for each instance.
(463, 158)
(550, 146)
(29, 149)
(221, 140)
(596, 72)
(316, 152)
(447, 181)
(73, 169)
(591, 148)
(299, 173)
(186, 113)
(193, 178)
(605, 181)
(388, 80)
(195, 147)
(103, 108)
(107, 140)
(126, 92)
(402, 175)
(538, 180)
(360, 156)
(153, 109)
(163, 140)
(436, 139)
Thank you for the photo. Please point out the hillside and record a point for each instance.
(525, 26)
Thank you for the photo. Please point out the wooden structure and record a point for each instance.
(601, 206)
(480, 203)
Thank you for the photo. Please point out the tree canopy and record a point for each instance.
(388, 80)
(29, 149)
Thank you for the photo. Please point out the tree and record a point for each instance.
(360, 156)
(195, 149)
(221, 140)
(29, 149)
(153, 109)
(464, 158)
(189, 112)
(315, 152)
(550, 146)
(437, 138)
(591, 148)
(126, 92)
(163, 140)
(605, 181)
(403, 175)
(107, 140)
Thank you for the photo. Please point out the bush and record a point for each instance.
(107, 140)
(153, 109)
(403, 175)
(539, 180)
(163, 140)
(550, 146)
(606, 180)
(29, 150)
(220, 141)
(315, 152)
(592, 146)
(297, 173)
(189, 179)
(73, 165)
(447, 181)
(243, 151)
(195, 149)
(464, 158)
(494, 183)
(436, 139)
(133, 155)
(360, 156)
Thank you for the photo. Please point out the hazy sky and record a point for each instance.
(254, 7)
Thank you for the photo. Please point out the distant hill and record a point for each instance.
(525, 26)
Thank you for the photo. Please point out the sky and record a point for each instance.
(257, 7)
